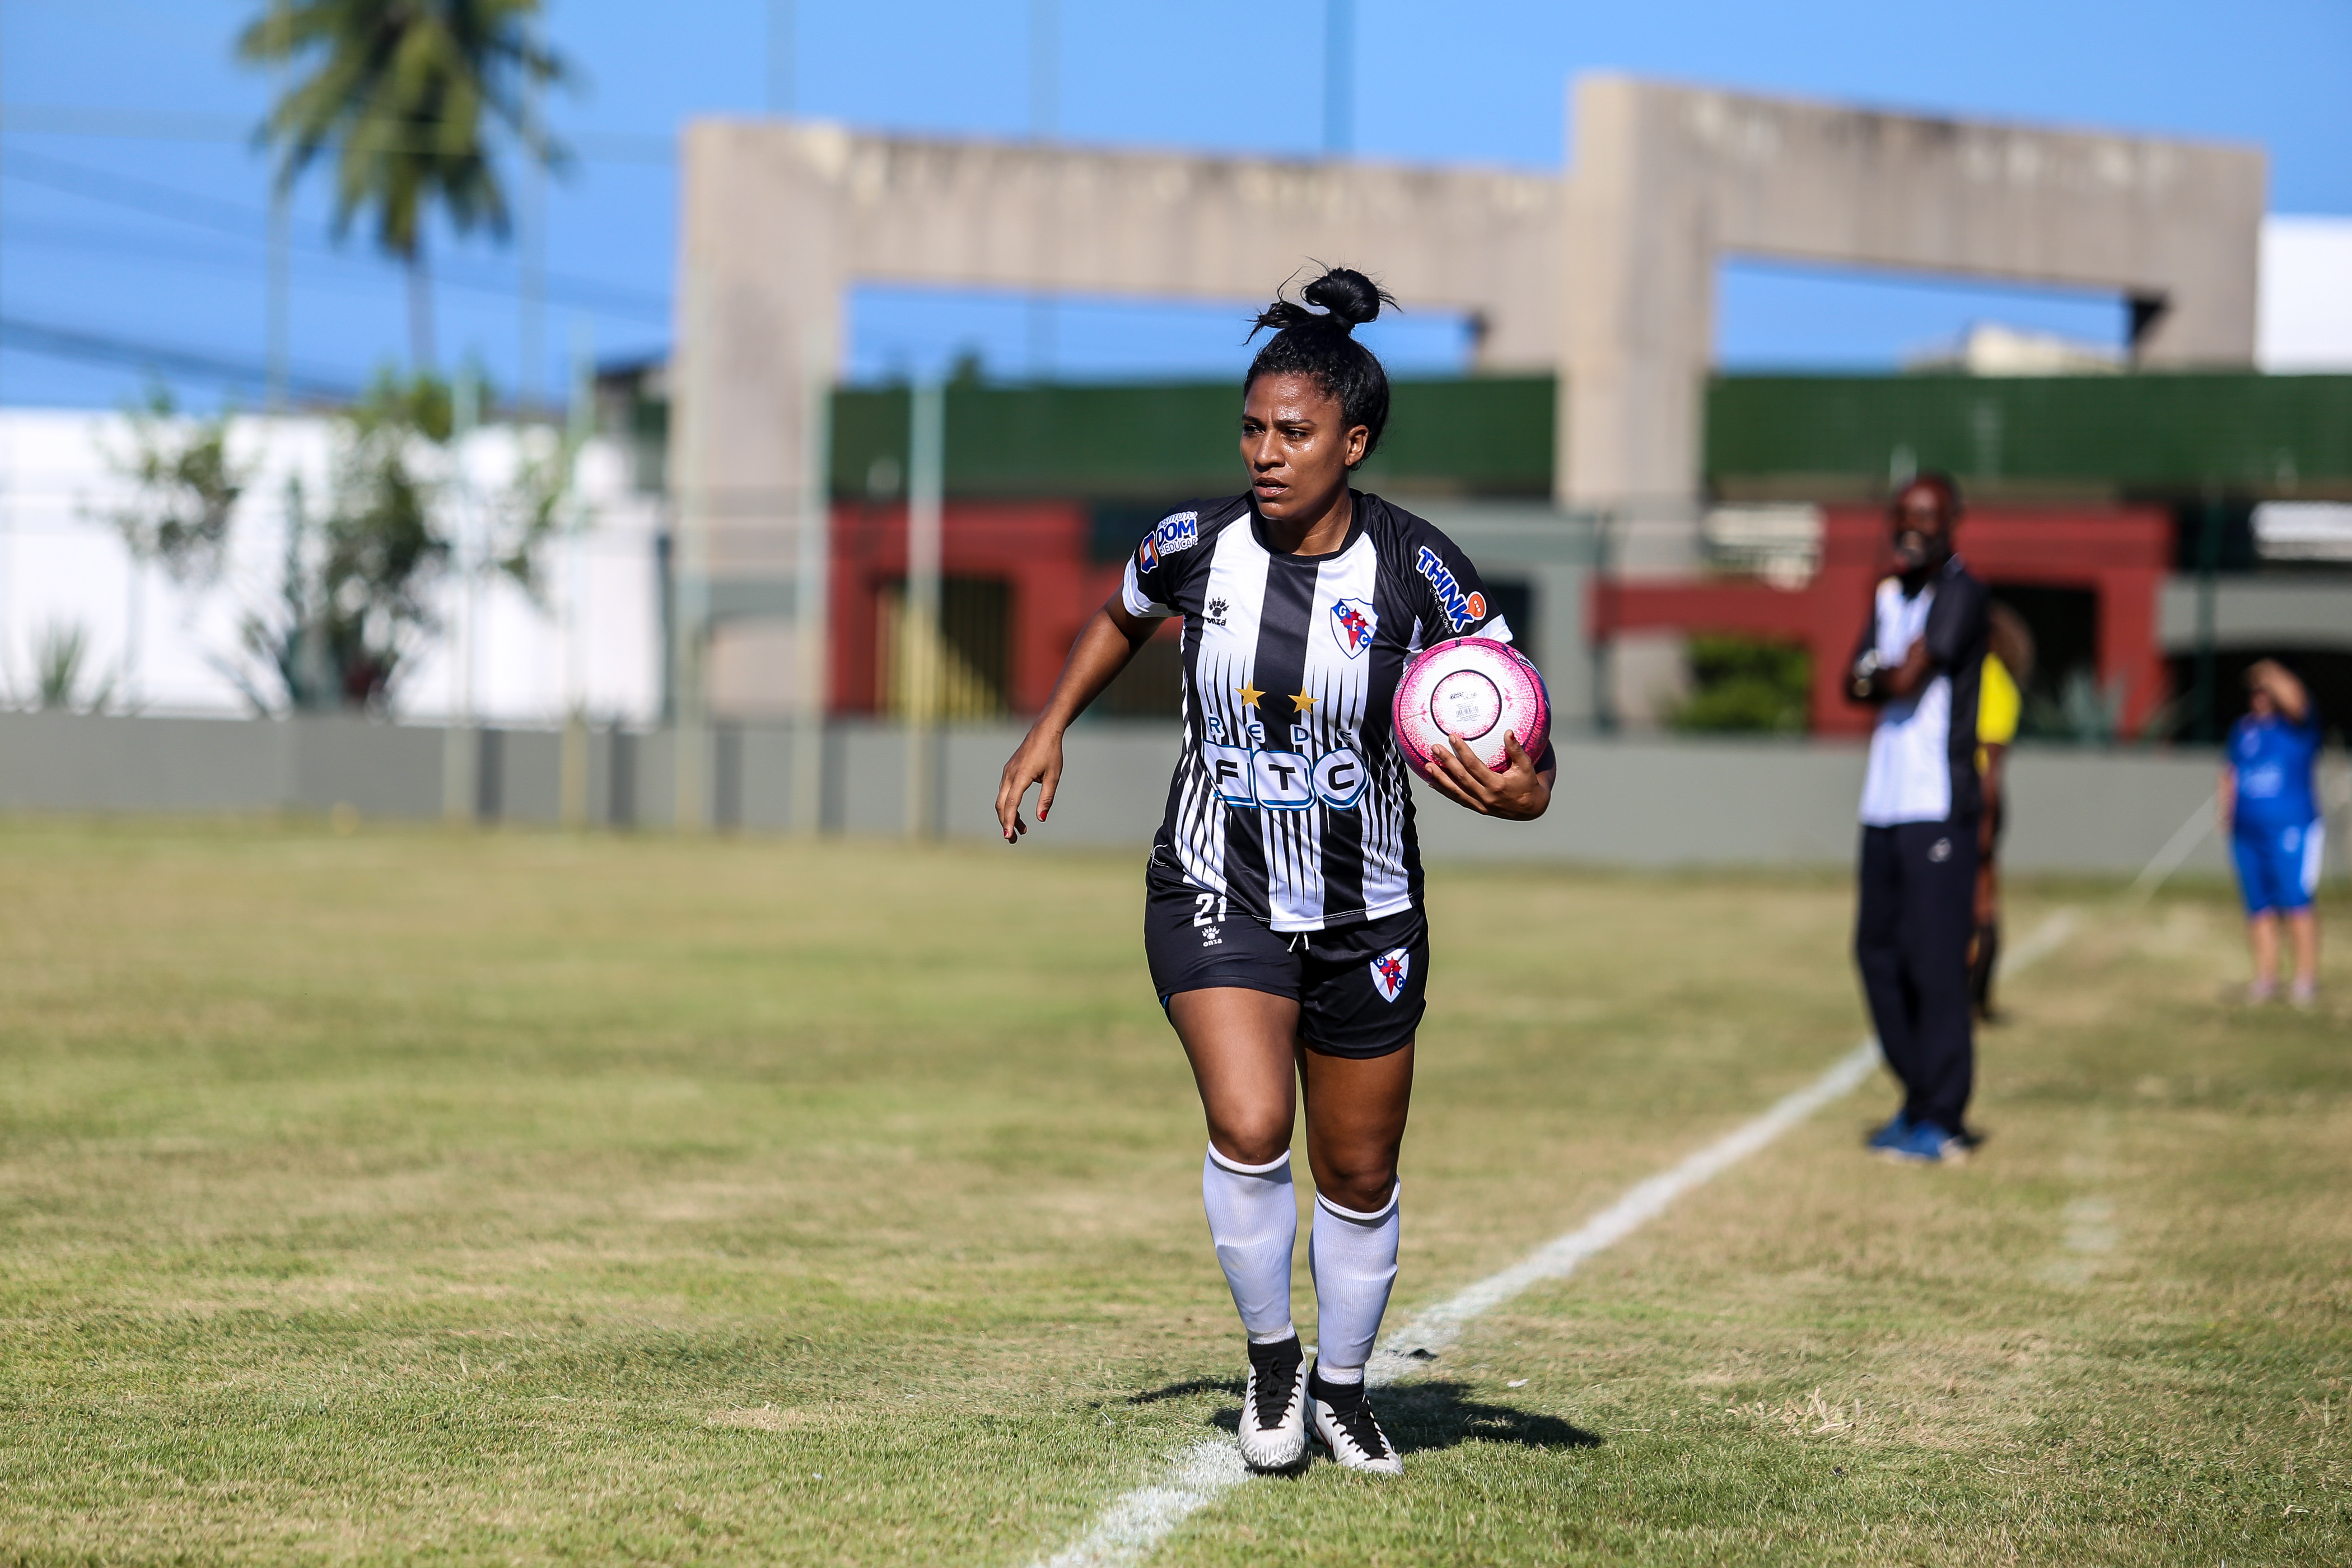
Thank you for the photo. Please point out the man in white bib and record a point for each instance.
(1919, 663)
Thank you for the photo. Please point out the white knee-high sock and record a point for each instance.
(1353, 1258)
(1253, 1221)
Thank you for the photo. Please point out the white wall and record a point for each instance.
(2306, 295)
(596, 641)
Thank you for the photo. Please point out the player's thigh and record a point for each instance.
(1356, 1112)
(1362, 1002)
(1240, 1043)
(2245, 859)
(2299, 868)
(1231, 988)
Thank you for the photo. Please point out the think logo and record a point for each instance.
(1462, 610)
(1389, 972)
(1353, 621)
(1215, 613)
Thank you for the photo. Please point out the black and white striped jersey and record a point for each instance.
(1291, 797)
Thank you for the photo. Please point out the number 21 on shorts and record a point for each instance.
(1201, 904)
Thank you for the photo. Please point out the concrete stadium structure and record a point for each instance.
(1604, 276)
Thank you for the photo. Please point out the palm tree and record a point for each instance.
(401, 93)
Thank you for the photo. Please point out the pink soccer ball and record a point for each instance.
(1475, 687)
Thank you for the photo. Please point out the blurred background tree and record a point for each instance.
(403, 93)
(351, 595)
(181, 490)
(355, 593)
(1739, 684)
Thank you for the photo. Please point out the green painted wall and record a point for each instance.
(1820, 438)
(1476, 436)
(2152, 433)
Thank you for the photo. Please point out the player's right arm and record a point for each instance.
(1105, 645)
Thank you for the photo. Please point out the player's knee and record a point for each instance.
(1362, 1183)
(1251, 1140)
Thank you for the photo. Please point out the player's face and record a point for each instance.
(2259, 703)
(1922, 529)
(1297, 446)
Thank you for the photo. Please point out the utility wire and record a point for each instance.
(157, 200)
(201, 364)
(167, 125)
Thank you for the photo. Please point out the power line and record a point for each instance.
(171, 125)
(157, 200)
(201, 364)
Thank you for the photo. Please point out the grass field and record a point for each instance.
(411, 1197)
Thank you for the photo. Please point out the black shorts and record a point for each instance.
(1359, 987)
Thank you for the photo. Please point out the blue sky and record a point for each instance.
(134, 238)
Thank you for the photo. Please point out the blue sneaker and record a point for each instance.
(1925, 1144)
(1888, 1136)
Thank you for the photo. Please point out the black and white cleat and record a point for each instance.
(1344, 1424)
(1274, 1407)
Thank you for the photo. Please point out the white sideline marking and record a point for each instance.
(1134, 1524)
(1130, 1527)
(2174, 853)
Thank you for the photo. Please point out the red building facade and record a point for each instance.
(2118, 554)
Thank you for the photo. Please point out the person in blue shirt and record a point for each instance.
(2269, 805)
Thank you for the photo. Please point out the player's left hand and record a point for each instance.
(1520, 793)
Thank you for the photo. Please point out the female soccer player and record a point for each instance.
(1283, 898)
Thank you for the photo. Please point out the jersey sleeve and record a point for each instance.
(1148, 588)
(1956, 621)
(1452, 598)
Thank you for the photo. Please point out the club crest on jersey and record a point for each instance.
(1462, 610)
(1353, 621)
(1389, 970)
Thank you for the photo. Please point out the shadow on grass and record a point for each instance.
(1417, 1416)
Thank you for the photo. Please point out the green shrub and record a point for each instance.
(1742, 684)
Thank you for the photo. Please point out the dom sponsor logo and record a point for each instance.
(1462, 610)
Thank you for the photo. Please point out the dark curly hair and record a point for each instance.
(1321, 344)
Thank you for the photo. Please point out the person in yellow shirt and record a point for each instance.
(2009, 664)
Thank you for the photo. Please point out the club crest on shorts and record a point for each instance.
(1389, 970)
(1353, 622)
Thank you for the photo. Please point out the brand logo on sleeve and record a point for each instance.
(1147, 559)
(1389, 972)
(1462, 610)
(1353, 622)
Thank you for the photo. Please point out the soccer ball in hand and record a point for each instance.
(1475, 687)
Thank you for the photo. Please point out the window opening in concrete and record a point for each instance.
(1782, 316)
(901, 334)
(975, 653)
(2064, 699)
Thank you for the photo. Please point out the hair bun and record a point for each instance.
(1351, 298)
